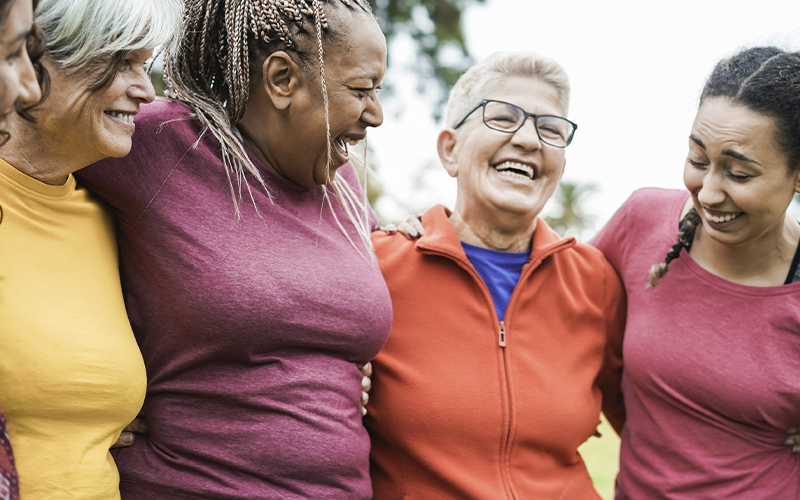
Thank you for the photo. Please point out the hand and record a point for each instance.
(794, 439)
(366, 386)
(411, 227)
(139, 425)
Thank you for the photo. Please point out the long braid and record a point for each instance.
(209, 71)
(686, 231)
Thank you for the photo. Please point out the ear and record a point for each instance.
(446, 145)
(282, 78)
(796, 180)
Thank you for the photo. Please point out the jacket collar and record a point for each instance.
(441, 238)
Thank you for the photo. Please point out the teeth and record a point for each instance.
(353, 142)
(726, 218)
(505, 167)
(125, 117)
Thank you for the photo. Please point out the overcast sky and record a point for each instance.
(636, 68)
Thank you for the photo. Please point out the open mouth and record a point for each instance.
(123, 117)
(515, 169)
(722, 218)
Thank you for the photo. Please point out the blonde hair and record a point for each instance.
(209, 71)
(469, 89)
(81, 32)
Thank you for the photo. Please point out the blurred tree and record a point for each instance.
(570, 217)
(436, 28)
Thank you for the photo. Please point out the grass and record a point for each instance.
(601, 456)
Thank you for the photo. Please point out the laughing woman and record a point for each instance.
(712, 352)
(71, 375)
(244, 245)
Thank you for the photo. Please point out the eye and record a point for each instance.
(14, 55)
(739, 178)
(696, 164)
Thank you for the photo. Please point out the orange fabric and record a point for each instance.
(455, 415)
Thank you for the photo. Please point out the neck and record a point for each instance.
(762, 262)
(36, 155)
(503, 232)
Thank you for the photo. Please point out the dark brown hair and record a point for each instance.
(765, 80)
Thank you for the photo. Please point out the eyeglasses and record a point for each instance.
(505, 117)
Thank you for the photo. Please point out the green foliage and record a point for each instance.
(436, 28)
(571, 218)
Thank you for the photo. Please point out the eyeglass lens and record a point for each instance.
(505, 117)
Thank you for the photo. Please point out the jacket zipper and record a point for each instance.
(502, 340)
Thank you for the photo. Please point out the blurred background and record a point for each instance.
(637, 69)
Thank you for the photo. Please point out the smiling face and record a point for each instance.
(740, 182)
(92, 125)
(17, 77)
(501, 172)
(354, 69)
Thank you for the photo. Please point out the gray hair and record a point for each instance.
(469, 89)
(79, 32)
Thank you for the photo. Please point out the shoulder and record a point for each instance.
(654, 199)
(164, 116)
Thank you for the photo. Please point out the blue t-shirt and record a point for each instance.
(499, 270)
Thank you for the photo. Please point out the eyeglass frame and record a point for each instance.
(526, 115)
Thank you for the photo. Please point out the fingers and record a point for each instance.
(139, 424)
(366, 386)
(389, 229)
(794, 439)
(125, 439)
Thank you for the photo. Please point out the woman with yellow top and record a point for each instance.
(71, 375)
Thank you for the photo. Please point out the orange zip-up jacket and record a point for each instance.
(466, 406)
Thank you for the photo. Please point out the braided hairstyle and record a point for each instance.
(765, 80)
(222, 43)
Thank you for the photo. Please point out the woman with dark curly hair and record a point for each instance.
(17, 83)
(712, 348)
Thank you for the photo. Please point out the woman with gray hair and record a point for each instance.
(71, 375)
(520, 329)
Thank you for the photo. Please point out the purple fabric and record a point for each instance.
(712, 369)
(9, 482)
(252, 330)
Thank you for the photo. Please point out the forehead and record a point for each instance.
(362, 49)
(18, 20)
(720, 122)
(529, 93)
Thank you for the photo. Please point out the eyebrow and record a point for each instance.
(22, 36)
(726, 152)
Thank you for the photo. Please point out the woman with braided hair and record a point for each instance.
(249, 276)
(712, 345)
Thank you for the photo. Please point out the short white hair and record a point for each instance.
(470, 88)
(79, 32)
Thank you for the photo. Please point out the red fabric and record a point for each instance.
(455, 415)
(9, 482)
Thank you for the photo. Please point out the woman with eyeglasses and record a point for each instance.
(506, 338)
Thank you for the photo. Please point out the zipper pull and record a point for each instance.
(502, 334)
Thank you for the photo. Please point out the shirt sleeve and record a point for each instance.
(611, 240)
(610, 377)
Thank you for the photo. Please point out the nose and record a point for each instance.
(141, 88)
(712, 191)
(373, 112)
(526, 137)
(29, 90)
